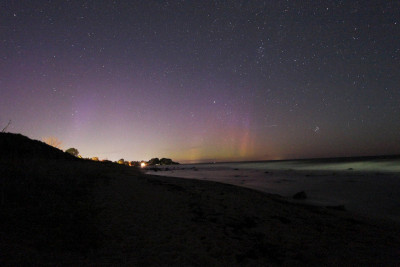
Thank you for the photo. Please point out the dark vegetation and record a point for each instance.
(73, 151)
(47, 206)
(162, 161)
(151, 162)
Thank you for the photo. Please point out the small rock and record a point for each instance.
(300, 195)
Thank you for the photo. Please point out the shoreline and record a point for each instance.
(148, 220)
(336, 208)
(324, 159)
(372, 194)
(59, 210)
(266, 228)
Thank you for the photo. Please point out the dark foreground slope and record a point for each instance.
(47, 204)
(66, 211)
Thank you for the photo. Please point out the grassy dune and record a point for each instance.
(59, 210)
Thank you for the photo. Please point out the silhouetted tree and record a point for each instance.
(154, 161)
(72, 151)
(165, 161)
(121, 161)
(135, 163)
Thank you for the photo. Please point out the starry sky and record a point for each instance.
(200, 81)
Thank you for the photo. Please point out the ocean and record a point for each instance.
(369, 186)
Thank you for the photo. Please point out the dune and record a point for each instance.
(60, 210)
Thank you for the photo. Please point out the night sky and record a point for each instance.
(203, 80)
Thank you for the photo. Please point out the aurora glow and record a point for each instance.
(204, 80)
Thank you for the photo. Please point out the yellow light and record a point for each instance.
(142, 164)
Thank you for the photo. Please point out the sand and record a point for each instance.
(159, 221)
(57, 210)
(361, 190)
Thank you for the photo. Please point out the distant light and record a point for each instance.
(143, 164)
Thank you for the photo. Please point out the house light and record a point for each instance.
(143, 164)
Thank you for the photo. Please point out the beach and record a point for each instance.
(145, 220)
(168, 221)
(367, 186)
(64, 211)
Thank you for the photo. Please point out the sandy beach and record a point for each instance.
(59, 210)
(145, 220)
(367, 186)
(153, 220)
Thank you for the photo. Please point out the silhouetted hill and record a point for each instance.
(17, 146)
(46, 202)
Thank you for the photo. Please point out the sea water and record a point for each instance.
(369, 187)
